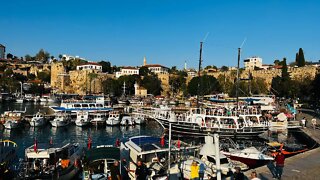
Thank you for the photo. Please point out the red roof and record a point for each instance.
(91, 63)
(154, 65)
(129, 67)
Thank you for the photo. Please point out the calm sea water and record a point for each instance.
(106, 135)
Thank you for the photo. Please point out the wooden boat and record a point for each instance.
(286, 149)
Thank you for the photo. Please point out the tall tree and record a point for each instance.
(152, 84)
(42, 56)
(208, 85)
(300, 60)
(106, 66)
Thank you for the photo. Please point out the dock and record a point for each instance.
(302, 166)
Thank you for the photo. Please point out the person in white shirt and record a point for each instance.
(314, 122)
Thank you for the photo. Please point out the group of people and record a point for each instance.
(141, 171)
(304, 122)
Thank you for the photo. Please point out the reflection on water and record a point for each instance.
(24, 137)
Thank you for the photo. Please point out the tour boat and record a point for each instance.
(61, 119)
(51, 161)
(82, 105)
(113, 119)
(38, 120)
(99, 118)
(127, 120)
(82, 118)
(46, 98)
(242, 123)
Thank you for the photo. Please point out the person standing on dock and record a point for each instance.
(115, 171)
(303, 122)
(254, 176)
(194, 171)
(238, 175)
(279, 164)
(141, 171)
(271, 166)
(314, 122)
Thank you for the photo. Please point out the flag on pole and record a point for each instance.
(35, 146)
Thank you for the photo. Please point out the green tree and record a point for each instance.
(42, 56)
(111, 87)
(106, 66)
(144, 71)
(44, 76)
(152, 84)
(300, 60)
(208, 85)
(315, 84)
(9, 56)
(283, 85)
(276, 62)
(224, 68)
(60, 57)
(178, 83)
(28, 57)
(130, 81)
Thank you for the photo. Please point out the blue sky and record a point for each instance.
(167, 32)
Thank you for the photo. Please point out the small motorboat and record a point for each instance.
(99, 118)
(82, 118)
(113, 119)
(61, 119)
(38, 120)
(127, 120)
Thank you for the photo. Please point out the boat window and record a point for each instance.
(85, 105)
(92, 105)
(99, 105)
(77, 105)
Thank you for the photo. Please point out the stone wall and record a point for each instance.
(56, 69)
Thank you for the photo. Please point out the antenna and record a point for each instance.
(205, 37)
(245, 39)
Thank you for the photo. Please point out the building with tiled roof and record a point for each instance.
(127, 71)
(90, 66)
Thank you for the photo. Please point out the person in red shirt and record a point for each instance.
(279, 164)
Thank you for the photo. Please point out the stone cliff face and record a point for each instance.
(86, 81)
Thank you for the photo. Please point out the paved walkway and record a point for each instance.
(303, 166)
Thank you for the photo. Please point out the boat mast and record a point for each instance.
(199, 74)
(237, 83)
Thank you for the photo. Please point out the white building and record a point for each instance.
(192, 73)
(69, 58)
(157, 68)
(127, 71)
(251, 63)
(90, 66)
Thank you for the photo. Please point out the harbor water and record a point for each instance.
(107, 135)
(104, 135)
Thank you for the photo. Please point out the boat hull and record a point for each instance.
(57, 123)
(252, 163)
(37, 122)
(112, 121)
(194, 130)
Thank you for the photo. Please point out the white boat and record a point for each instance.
(138, 118)
(99, 118)
(11, 119)
(98, 104)
(12, 124)
(38, 120)
(113, 119)
(243, 123)
(250, 156)
(46, 98)
(19, 100)
(60, 120)
(207, 156)
(82, 118)
(127, 120)
(29, 97)
(45, 161)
